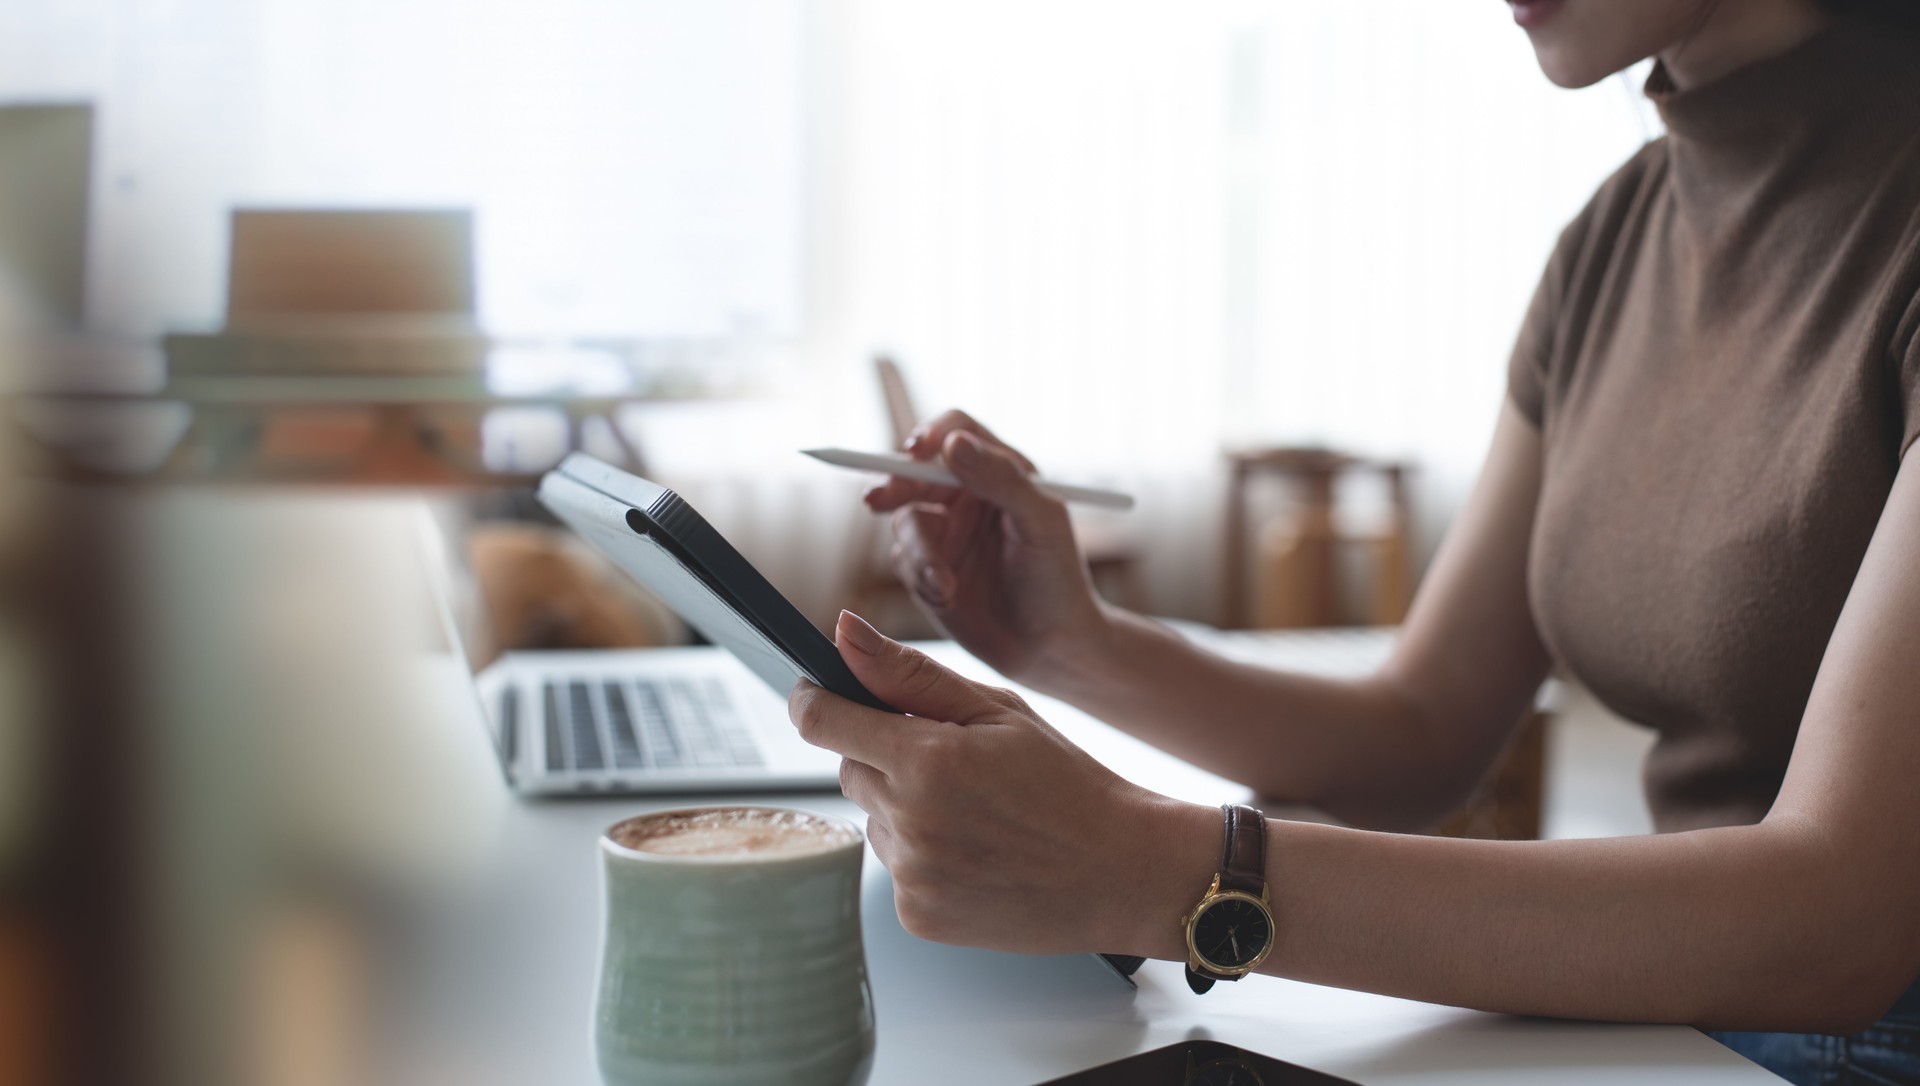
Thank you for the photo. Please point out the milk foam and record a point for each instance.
(730, 832)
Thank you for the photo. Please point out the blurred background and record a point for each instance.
(273, 273)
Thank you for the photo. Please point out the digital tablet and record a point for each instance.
(1199, 1063)
(655, 536)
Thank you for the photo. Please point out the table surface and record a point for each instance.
(83, 371)
(530, 910)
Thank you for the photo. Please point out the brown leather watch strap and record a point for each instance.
(1243, 856)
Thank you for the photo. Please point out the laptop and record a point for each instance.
(676, 720)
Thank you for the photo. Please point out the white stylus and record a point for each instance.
(933, 471)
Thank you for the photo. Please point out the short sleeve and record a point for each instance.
(1527, 369)
(1581, 253)
(1529, 372)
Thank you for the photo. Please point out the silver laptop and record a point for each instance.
(658, 720)
(690, 719)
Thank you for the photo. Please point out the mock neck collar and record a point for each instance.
(1811, 86)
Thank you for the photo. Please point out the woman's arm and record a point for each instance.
(1805, 921)
(1786, 925)
(1808, 921)
(994, 563)
(1000, 833)
(1397, 750)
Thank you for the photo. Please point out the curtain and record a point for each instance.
(1130, 235)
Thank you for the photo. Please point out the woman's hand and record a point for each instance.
(998, 831)
(992, 561)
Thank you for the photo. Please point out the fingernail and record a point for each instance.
(914, 441)
(870, 495)
(966, 450)
(943, 580)
(860, 634)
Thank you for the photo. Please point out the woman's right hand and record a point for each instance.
(993, 561)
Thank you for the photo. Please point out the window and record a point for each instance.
(633, 165)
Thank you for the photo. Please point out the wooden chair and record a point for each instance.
(1300, 586)
(544, 588)
(1507, 805)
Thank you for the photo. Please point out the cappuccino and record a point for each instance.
(731, 833)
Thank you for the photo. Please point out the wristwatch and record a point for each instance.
(1231, 930)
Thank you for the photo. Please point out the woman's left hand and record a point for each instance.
(1000, 832)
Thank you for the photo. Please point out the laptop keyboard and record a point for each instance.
(595, 725)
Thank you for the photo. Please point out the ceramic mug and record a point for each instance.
(736, 968)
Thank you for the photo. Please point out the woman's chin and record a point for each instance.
(1574, 68)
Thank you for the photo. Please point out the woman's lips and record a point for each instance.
(1532, 13)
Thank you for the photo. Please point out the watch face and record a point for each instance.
(1232, 933)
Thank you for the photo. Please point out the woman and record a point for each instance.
(1698, 501)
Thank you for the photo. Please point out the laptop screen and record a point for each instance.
(463, 613)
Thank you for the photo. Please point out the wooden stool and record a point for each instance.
(1507, 805)
(1306, 590)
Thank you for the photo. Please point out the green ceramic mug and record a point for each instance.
(733, 950)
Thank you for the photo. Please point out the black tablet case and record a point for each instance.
(600, 501)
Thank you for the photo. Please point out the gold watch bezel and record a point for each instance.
(1214, 895)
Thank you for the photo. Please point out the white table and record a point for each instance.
(499, 981)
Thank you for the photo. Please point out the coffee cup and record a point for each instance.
(733, 950)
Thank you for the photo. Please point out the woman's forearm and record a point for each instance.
(1755, 927)
(1359, 749)
(1397, 750)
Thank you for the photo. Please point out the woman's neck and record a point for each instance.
(1737, 33)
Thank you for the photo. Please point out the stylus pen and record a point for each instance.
(933, 471)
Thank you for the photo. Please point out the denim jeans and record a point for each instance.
(1886, 1054)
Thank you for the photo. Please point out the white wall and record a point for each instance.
(634, 165)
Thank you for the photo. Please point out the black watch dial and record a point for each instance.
(1232, 933)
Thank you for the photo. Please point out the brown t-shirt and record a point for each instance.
(1723, 363)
